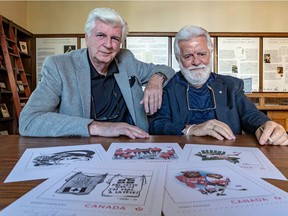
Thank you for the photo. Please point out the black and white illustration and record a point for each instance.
(62, 157)
(96, 189)
(125, 186)
(112, 186)
(81, 184)
(38, 163)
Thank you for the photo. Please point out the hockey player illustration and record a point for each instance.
(206, 183)
(145, 153)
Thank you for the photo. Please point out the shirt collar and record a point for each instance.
(111, 69)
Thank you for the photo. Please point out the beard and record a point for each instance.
(196, 76)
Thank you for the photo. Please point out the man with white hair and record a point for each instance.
(95, 91)
(199, 102)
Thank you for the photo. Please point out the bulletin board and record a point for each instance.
(260, 58)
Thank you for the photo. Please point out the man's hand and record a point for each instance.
(115, 129)
(271, 133)
(213, 128)
(152, 99)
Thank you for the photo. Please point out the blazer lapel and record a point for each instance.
(84, 80)
(123, 83)
(220, 91)
(180, 92)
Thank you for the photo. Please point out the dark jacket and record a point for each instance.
(232, 108)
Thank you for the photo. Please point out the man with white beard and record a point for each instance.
(199, 102)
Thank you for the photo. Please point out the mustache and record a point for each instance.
(203, 67)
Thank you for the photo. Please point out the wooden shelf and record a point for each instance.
(15, 65)
(275, 104)
(270, 100)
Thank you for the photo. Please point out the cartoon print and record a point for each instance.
(58, 158)
(124, 186)
(145, 153)
(219, 155)
(81, 184)
(207, 183)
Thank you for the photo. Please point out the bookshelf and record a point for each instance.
(16, 73)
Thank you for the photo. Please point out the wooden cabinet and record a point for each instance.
(274, 104)
(17, 73)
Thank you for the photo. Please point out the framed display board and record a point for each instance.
(52, 46)
(149, 49)
(275, 64)
(239, 57)
(257, 58)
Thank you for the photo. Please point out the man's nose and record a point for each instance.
(108, 42)
(197, 60)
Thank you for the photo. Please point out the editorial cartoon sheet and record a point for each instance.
(144, 152)
(98, 189)
(219, 190)
(249, 159)
(39, 163)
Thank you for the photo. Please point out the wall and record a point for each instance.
(53, 17)
(15, 11)
(162, 16)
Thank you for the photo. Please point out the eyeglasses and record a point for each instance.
(205, 109)
(104, 118)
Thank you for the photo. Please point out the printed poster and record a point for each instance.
(219, 190)
(250, 159)
(98, 189)
(275, 59)
(39, 163)
(239, 57)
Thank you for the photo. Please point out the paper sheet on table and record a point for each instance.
(39, 163)
(249, 159)
(219, 190)
(101, 189)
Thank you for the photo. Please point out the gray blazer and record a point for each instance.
(60, 104)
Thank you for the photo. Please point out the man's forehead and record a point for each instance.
(107, 28)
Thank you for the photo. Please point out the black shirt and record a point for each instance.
(107, 101)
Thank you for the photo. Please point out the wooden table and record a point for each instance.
(13, 146)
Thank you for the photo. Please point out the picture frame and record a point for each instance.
(4, 111)
(23, 46)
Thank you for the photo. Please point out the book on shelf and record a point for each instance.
(1, 61)
(3, 86)
(4, 111)
(20, 86)
(4, 132)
